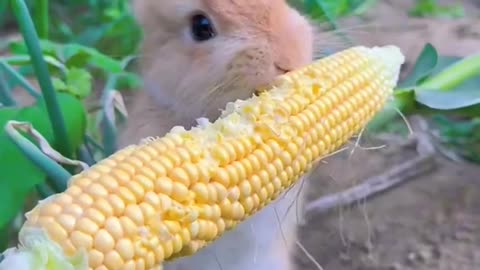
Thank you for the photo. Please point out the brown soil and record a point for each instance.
(432, 221)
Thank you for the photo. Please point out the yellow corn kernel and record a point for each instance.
(171, 196)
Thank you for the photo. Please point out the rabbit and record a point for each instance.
(198, 55)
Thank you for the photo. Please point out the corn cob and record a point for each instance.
(170, 196)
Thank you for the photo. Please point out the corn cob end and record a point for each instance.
(38, 252)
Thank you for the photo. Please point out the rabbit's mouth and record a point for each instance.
(278, 71)
(281, 70)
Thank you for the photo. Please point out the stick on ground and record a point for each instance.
(423, 163)
(374, 185)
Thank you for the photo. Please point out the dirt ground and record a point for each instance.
(431, 222)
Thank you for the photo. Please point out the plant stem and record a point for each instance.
(20, 79)
(41, 16)
(43, 75)
(91, 141)
(455, 74)
(109, 130)
(4, 237)
(56, 173)
(390, 112)
(85, 155)
(44, 190)
(447, 79)
(3, 12)
(5, 95)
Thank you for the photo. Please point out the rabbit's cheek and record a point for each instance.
(253, 67)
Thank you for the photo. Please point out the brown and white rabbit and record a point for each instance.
(197, 56)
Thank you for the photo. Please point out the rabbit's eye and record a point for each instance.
(202, 28)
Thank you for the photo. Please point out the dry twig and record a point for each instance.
(374, 185)
(397, 175)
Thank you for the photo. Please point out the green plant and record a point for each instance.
(440, 87)
(330, 10)
(430, 8)
(3, 12)
(59, 118)
(105, 25)
(437, 84)
(41, 16)
(462, 136)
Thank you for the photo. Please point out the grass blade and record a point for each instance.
(86, 156)
(44, 190)
(109, 130)
(41, 18)
(31, 39)
(6, 98)
(3, 12)
(455, 74)
(19, 79)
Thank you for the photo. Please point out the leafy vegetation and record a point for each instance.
(438, 84)
(431, 8)
(67, 71)
(77, 51)
(19, 173)
(331, 10)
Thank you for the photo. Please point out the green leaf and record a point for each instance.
(77, 55)
(3, 12)
(92, 35)
(128, 80)
(59, 85)
(443, 62)
(424, 65)
(362, 6)
(405, 99)
(454, 128)
(428, 65)
(19, 175)
(113, 13)
(4, 238)
(332, 9)
(25, 61)
(47, 47)
(455, 74)
(449, 100)
(70, 55)
(79, 82)
(463, 136)
(17, 47)
(437, 84)
(17, 60)
(328, 9)
(464, 95)
(424, 8)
